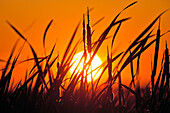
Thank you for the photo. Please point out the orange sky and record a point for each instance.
(67, 14)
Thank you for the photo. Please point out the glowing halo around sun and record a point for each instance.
(96, 62)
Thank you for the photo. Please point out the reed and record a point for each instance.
(71, 93)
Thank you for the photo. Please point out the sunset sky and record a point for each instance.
(31, 17)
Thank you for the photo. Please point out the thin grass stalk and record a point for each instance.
(45, 36)
(139, 107)
(88, 32)
(7, 78)
(89, 48)
(165, 71)
(115, 34)
(82, 83)
(85, 53)
(9, 59)
(138, 94)
(155, 56)
(47, 68)
(162, 85)
(167, 67)
(84, 34)
(120, 94)
(157, 82)
(109, 63)
(131, 68)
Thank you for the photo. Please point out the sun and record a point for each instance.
(96, 62)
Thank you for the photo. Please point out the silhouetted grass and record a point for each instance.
(71, 93)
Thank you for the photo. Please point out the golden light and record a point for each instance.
(96, 62)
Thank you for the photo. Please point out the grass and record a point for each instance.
(61, 94)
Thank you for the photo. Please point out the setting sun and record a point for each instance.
(96, 62)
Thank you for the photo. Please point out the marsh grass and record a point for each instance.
(73, 94)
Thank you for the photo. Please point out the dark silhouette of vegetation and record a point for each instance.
(61, 94)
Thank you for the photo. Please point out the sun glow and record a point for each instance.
(96, 62)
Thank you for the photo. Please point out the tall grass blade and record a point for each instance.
(155, 56)
(115, 34)
(157, 82)
(84, 34)
(9, 59)
(8, 76)
(131, 68)
(47, 63)
(138, 92)
(88, 33)
(120, 94)
(109, 64)
(47, 67)
(167, 67)
(16, 31)
(46, 32)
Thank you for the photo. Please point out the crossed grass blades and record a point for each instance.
(61, 94)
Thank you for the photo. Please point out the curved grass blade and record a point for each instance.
(46, 33)
(115, 34)
(129, 5)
